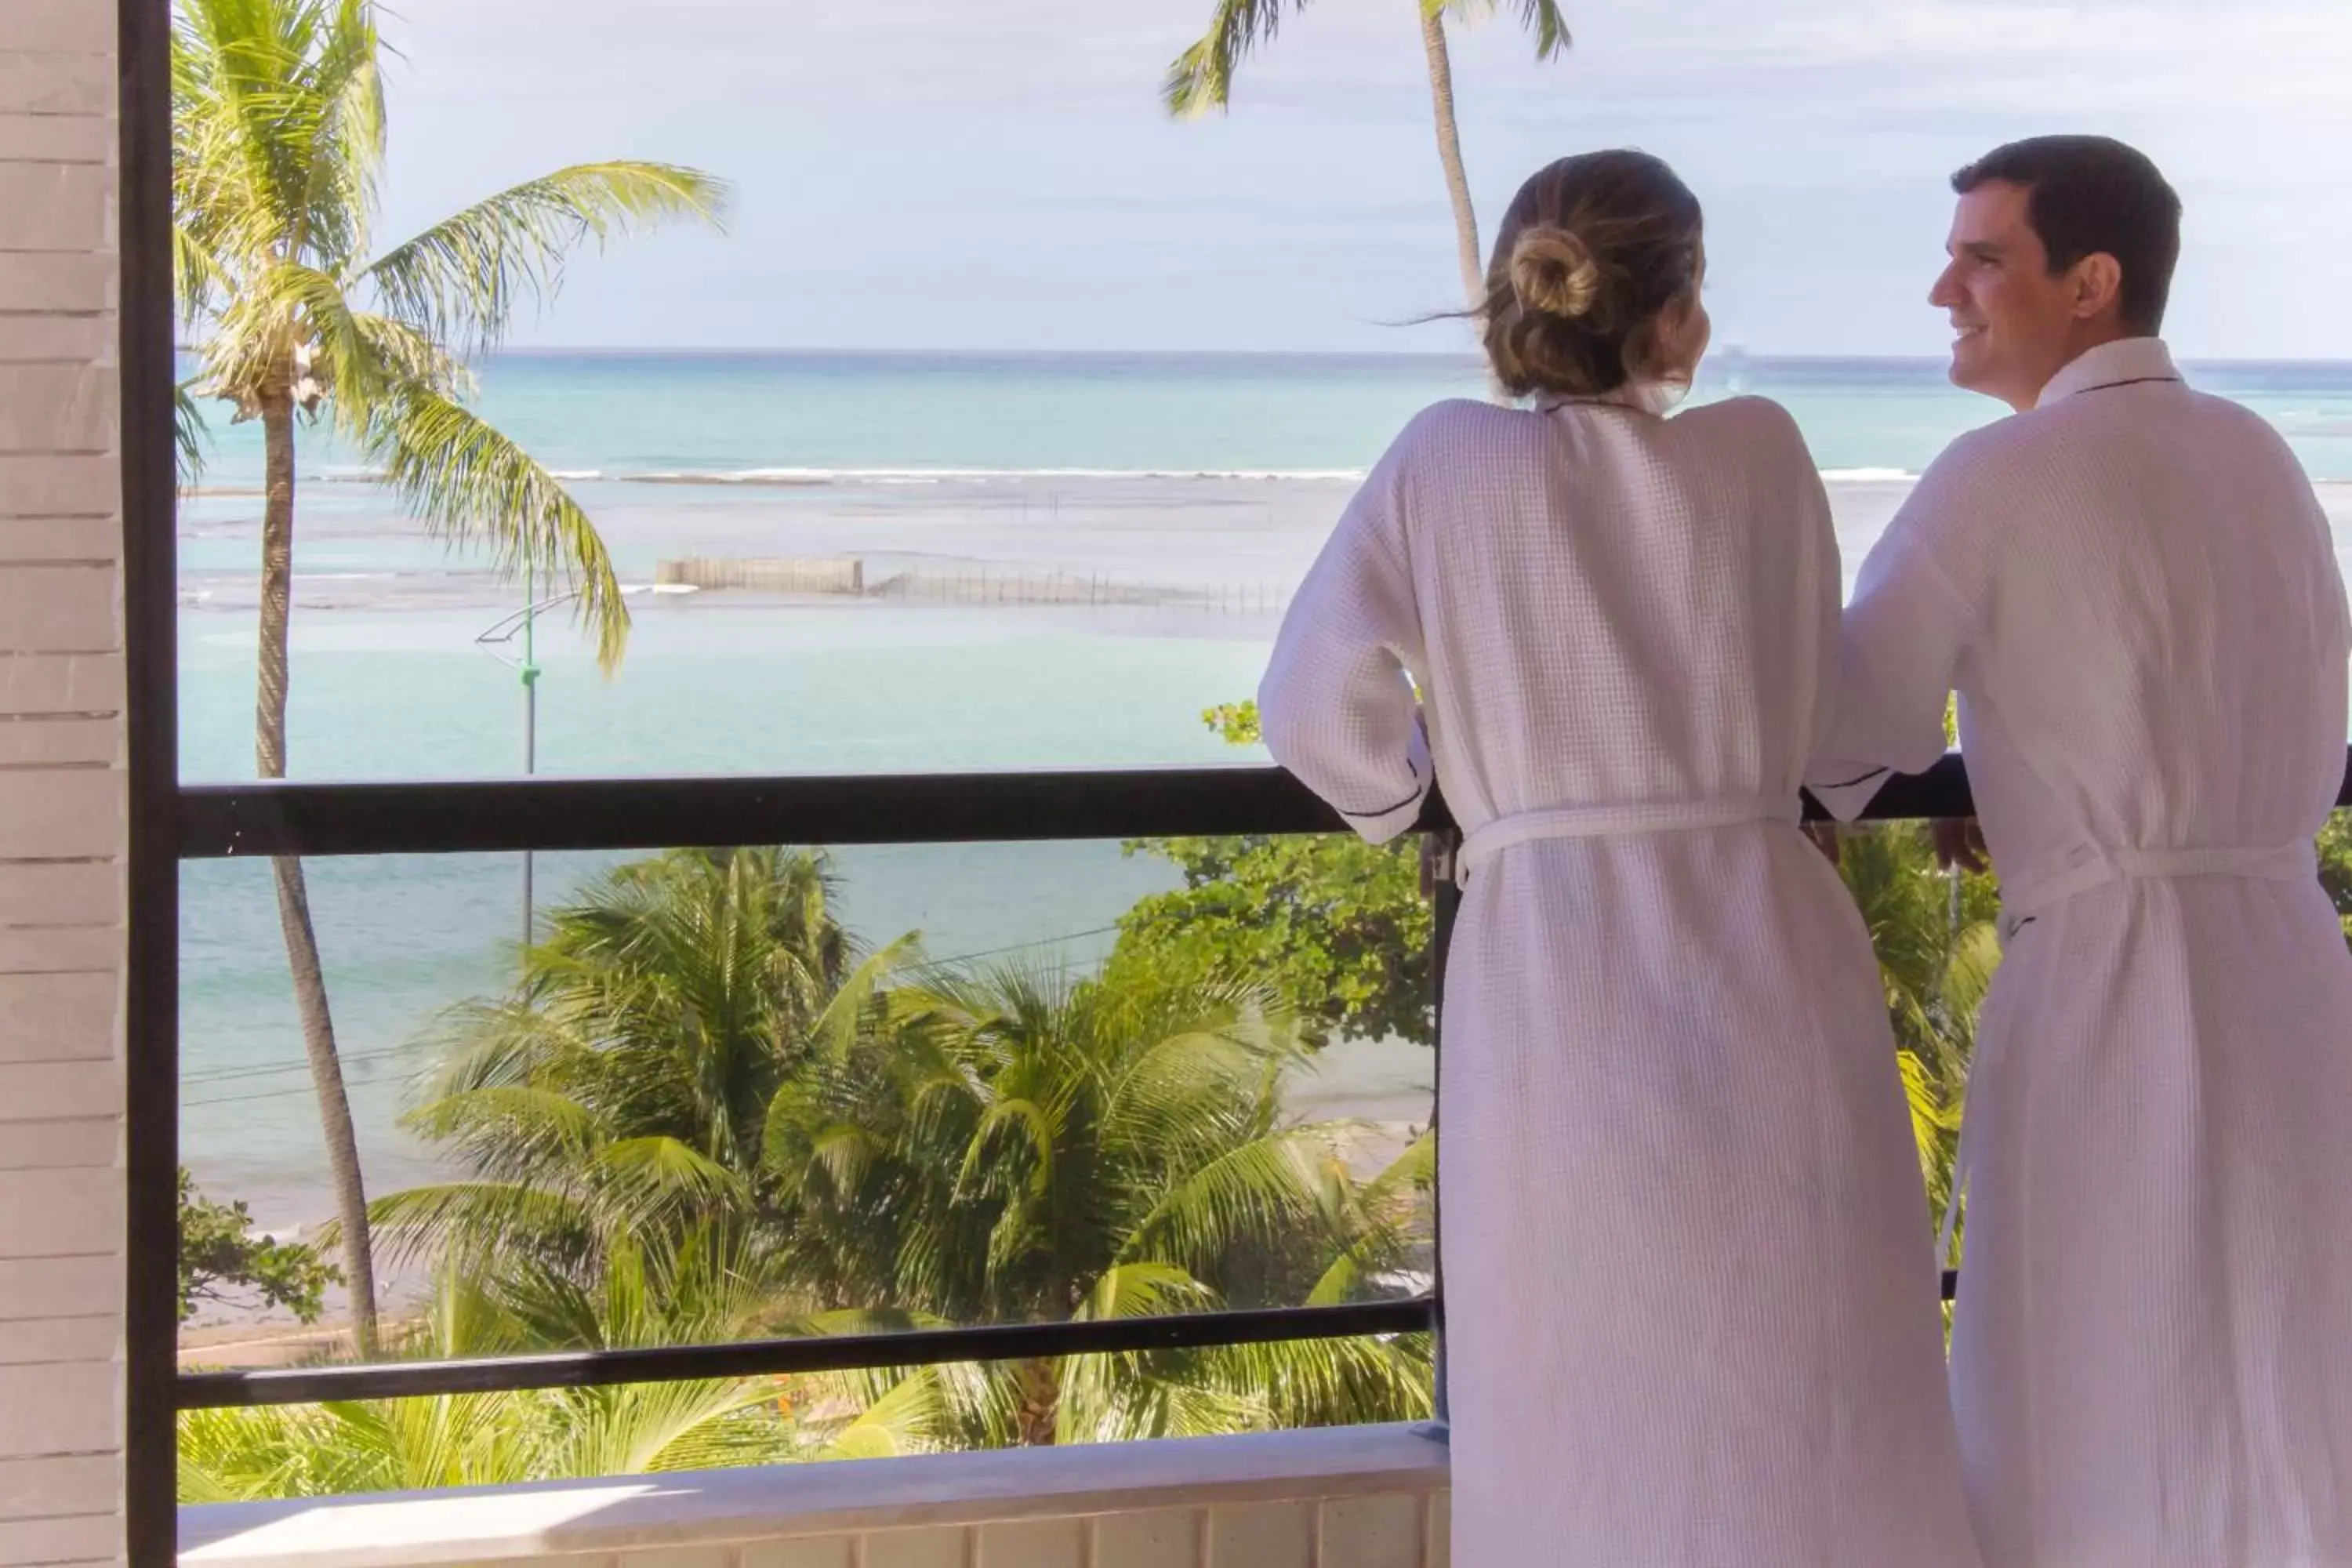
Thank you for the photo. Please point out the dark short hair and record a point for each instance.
(2088, 195)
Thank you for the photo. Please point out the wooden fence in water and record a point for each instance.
(963, 585)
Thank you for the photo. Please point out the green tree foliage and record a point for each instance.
(1016, 1145)
(1934, 932)
(626, 1081)
(224, 1259)
(1337, 929)
(707, 1112)
(672, 1291)
(2336, 867)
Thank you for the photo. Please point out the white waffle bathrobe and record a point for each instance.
(2132, 589)
(1692, 1313)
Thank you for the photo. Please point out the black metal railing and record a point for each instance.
(263, 819)
(424, 817)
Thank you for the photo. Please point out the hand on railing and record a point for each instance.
(1960, 843)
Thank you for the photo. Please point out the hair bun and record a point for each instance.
(1553, 272)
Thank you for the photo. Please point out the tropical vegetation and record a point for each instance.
(707, 1111)
(279, 139)
(223, 1260)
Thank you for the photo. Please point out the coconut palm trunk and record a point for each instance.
(293, 895)
(1037, 1413)
(279, 133)
(1449, 154)
(1202, 78)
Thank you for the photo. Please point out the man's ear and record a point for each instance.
(2098, 285)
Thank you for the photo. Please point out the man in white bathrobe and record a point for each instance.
(2132, 587)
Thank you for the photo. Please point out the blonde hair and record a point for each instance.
(1553, 273)
(1593, 250)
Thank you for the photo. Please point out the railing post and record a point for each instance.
(1445, 898)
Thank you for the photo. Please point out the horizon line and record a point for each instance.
(1471, 356)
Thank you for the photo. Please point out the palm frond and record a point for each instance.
(461, 280)
(517, 1130)
(1128, 1398)
(345, 152)
(1260, 1193)
(470, 1218)
(1545, 20)
(912, 1418)
(471, 484)
(278, 123)
(647, 1182)
(1201, 78)
(1324, 1382)
(1033, 1149)
(835, 1027)
(407, 355)
(1382, 1223)
(190, 436)
(200, 281)
(1144, 1290)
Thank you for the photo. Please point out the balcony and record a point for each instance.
(1311, 1498)
(92, 1387)
(1362, 1497)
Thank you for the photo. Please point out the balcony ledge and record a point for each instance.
(1345, 1497)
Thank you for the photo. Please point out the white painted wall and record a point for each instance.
(61, 790)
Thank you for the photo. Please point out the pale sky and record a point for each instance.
(974, 174)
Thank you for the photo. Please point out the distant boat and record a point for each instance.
(1732, 366)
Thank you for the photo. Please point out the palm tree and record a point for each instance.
(1202, 78)
(698, 1048)
(1937, 953)
(627, 1082)
(279, 140)
(1019, 1146)
(669, 1291)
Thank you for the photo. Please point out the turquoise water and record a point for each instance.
(738, 416)
(1209, 481)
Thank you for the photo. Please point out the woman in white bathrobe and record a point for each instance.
(1691, 1311)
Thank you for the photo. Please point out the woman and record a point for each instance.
(1691, 1307)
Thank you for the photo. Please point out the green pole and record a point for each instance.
(529, 727)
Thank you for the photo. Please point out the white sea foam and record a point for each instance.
(801, 476)
(819, 477)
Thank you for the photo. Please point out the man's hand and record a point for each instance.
(1960, 842)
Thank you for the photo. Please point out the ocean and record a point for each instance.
(1091, 550)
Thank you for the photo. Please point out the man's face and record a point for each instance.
(2014, 325)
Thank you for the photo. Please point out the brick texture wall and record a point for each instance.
(61, 790)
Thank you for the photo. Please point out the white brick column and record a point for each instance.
(61, 790)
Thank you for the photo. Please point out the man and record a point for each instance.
(2132, 588)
